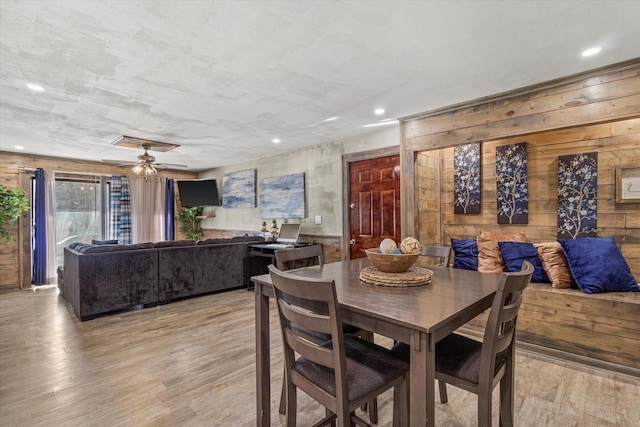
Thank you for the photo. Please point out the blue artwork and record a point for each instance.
(512, 190)
(466, 179)
(282, 197)
(577, 195)
(239, 189)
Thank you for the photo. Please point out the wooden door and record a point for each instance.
(374, 203)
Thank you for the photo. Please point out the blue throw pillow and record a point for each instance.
(465, 254)
(597, 265)
(104, 242)
(515, 253)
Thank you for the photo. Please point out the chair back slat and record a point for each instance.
(305, 256)
(441, 252)
(501, 325)
(310, 350)
(299, 315)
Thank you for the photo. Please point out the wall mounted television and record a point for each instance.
(200, 192)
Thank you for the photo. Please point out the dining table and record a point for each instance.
(419, 316)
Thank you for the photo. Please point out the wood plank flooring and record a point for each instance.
(192, 363)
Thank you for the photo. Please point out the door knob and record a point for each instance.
(352, 241)
(352, 205)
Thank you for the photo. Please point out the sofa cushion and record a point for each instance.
(597, 265)
(465, 254)
(555, 264)
(217, 241)
(95, 249)
(514, 254)
(104, 242)
(489, 256)
(172, 243)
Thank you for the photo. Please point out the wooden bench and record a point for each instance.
(599, 329)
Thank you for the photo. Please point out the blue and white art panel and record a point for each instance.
(512, 184)
(466, 179)
(239, 189)
(282, 197)
(577, 195)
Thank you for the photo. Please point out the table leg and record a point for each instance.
(263, 367)
(422, 378)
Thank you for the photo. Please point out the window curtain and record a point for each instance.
(147, 208)
(44, 251)
(120, 205)
(169, 211)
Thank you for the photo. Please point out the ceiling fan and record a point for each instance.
(145, 165)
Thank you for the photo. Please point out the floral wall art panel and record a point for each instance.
(282, 197)
(512, 190)
(577, 195)
(466, 179)
(239, 189)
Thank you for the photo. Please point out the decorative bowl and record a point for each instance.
(391, 263)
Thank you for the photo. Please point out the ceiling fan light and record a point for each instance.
(150, 170)
(138, 169)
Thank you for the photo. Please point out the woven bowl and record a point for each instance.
(391, 263)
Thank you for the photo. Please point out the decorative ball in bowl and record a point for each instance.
(392, 262)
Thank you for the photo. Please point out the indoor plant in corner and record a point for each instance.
(190, 219)
(12, 204)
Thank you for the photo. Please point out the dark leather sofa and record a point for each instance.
(100, 279)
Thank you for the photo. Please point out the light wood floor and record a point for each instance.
(191, 363)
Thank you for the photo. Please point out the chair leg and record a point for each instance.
(484, 407)
(442, 386)
(506, 397)
(373, 411)
(283, 395)
(291, 405)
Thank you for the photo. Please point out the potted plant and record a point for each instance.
(274, 226)
(264, 227)
(190, 219)
(12, 204)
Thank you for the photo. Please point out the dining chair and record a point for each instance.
(441, 252)
(479, 367)
(306, 256)
(342, 373)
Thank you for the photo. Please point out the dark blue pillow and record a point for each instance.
(597, 265)
(515, 253)
(465, 254)
(104, 242)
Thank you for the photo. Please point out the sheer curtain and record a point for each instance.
(147, 208)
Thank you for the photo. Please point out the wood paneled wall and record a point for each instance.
(617, 145)
(594, 111)
(15, 258)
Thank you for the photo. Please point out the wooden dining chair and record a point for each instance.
(343, 373)
(479, 366)
(441, 252)
(306, 256)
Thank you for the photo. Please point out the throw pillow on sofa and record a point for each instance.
(489, 256)
(514, 254)
(555, 264)
(104, 242)
(597, 265)
(465, 254)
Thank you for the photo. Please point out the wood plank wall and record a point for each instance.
(592, 111)
(617, 145)
(11, 164)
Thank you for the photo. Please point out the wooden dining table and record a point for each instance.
(419, 316)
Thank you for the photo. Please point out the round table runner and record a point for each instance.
(414, 276)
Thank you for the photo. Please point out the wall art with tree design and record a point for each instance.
(577, 195)
(466, 179)
(512, 190)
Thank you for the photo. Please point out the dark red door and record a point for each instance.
(374, 203)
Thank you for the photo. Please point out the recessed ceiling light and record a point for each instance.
(379, 111)
(592, 51)
(276, 140)
(35, 87)
(330, 119)
(19, 147)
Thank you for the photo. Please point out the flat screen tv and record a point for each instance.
(202, 192)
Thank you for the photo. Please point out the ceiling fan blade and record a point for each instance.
(169, 166)
(117, 162)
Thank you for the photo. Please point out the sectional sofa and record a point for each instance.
(99, 279)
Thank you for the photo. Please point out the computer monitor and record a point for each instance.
(289, 233)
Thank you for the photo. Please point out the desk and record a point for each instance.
(259, 256)
(419, 316)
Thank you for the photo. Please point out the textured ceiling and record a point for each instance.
(223, 78)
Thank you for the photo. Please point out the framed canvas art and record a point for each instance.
(466, 179)
(512, 184)
(577, 195)
(239, 189)
(282, 197)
